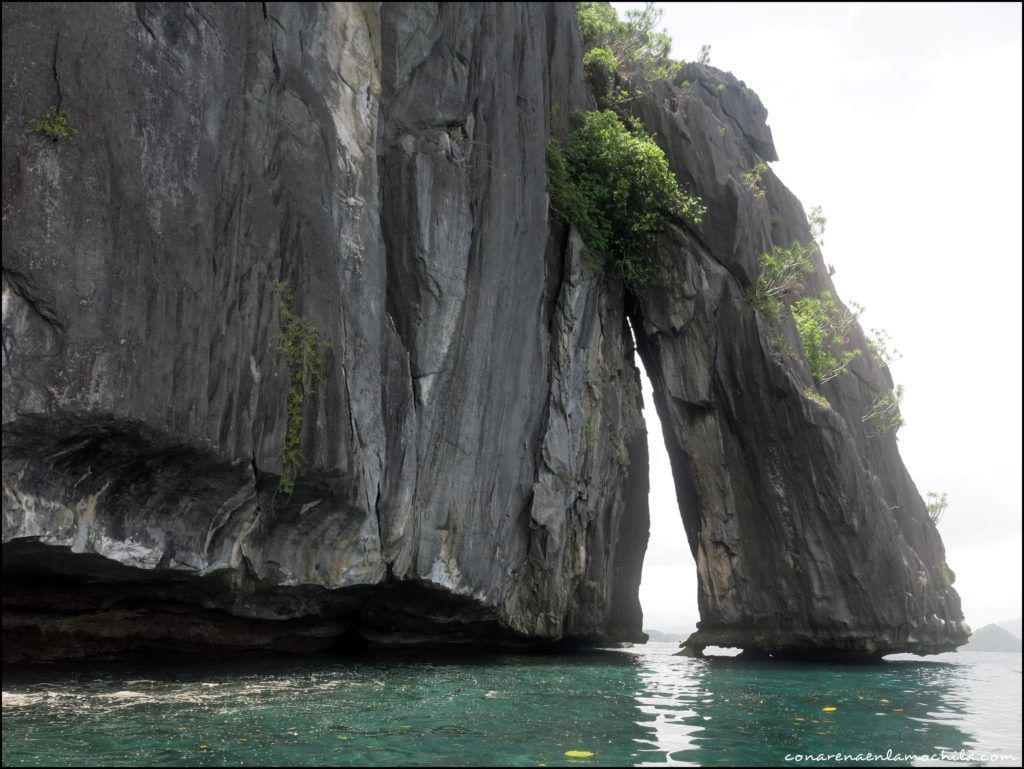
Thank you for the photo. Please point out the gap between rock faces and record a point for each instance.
(788, 509)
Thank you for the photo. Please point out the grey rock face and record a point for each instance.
(468, 459)
(474, 461)
(809, 535)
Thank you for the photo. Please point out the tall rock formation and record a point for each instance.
(474, 460)
(809, 534)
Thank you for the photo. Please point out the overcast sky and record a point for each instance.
(904, 123)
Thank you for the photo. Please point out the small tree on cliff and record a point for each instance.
(936, 504)
(633, 42)
(612, 180)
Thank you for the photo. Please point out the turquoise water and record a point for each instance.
(641, 707)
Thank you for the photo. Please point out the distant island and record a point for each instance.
(1013, 625)
(992, 638)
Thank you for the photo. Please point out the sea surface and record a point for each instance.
(637, 707)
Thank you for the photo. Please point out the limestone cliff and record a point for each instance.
(474, 460)
(809, 534)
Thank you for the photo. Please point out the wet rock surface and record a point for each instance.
(474, 462)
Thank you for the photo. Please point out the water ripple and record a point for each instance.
(645, 707)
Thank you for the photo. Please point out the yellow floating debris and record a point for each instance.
(342, 737)
(203, 747)
(829, 709)
(798, 718)
(578, 753)
(898, 710)
(884, 702)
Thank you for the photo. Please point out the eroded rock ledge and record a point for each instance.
(59, 605)
(475, 465)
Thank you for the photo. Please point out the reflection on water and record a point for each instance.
(727, 712)
(643, 707)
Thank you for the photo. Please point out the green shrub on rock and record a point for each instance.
(782, 273)
(601, 59)
(884, 415)
(879, 345)
(753, 179)
(614, 183)
(782, 269)
(633, 42)
(303, 351)
(54, 124)
(824, 329)
(937, 504)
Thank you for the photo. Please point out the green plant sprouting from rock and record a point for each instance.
(303, 352)
(824, 329)
(936, 504)
(879, 346)
(613, 182)
(816, 224)
(783, 269)
(753, 179)
(54, 124)
(601, 59)
(632, 43)
(782, 273)
(822, 325)
(884, 415)
(816, 397)
(948, 575)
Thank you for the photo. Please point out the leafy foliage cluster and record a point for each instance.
(884, 415)
(633, 43)
(612, 180)
(753, 178)
(782, 273)
(782, 269)
(817, 397)
(600, 58)
(823, 326)
(54, 124)
(948, 575)
(303, 352)
(816, 224)
(824, 329)
(937, 504)
(879, 346)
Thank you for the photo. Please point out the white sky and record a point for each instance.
(904, 123)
